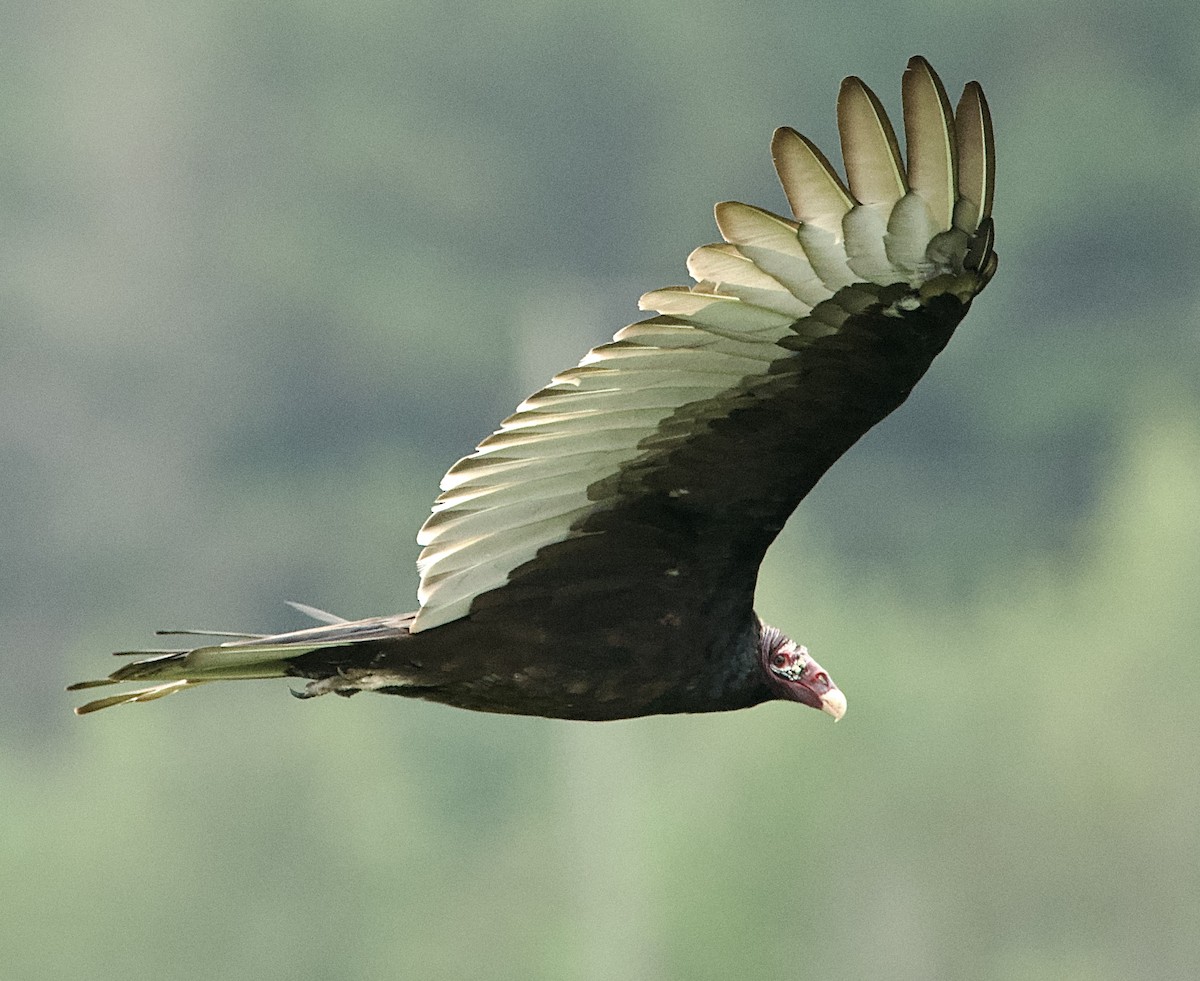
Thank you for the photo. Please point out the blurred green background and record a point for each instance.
(269, 268)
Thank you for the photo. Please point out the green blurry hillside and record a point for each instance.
(268, 269)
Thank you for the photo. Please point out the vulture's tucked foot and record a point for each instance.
(349, 682)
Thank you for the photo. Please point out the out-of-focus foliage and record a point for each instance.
(269, 268)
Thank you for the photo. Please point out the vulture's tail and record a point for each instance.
(242, 656)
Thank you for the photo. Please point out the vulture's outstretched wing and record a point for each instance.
(669, 459)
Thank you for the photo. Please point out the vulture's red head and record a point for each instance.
(795, 675)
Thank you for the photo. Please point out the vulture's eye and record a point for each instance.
(778, 661)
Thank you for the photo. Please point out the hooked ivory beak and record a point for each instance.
(834, 703)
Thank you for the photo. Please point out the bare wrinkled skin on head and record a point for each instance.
(795, 675)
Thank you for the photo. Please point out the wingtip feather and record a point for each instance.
(930, 138)
(976, 157)
(870, 149)
(813, 188)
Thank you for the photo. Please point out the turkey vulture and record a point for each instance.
(596, 556)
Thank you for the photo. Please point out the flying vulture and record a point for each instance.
(596, 556)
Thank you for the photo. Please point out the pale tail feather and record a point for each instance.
(250, 656)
